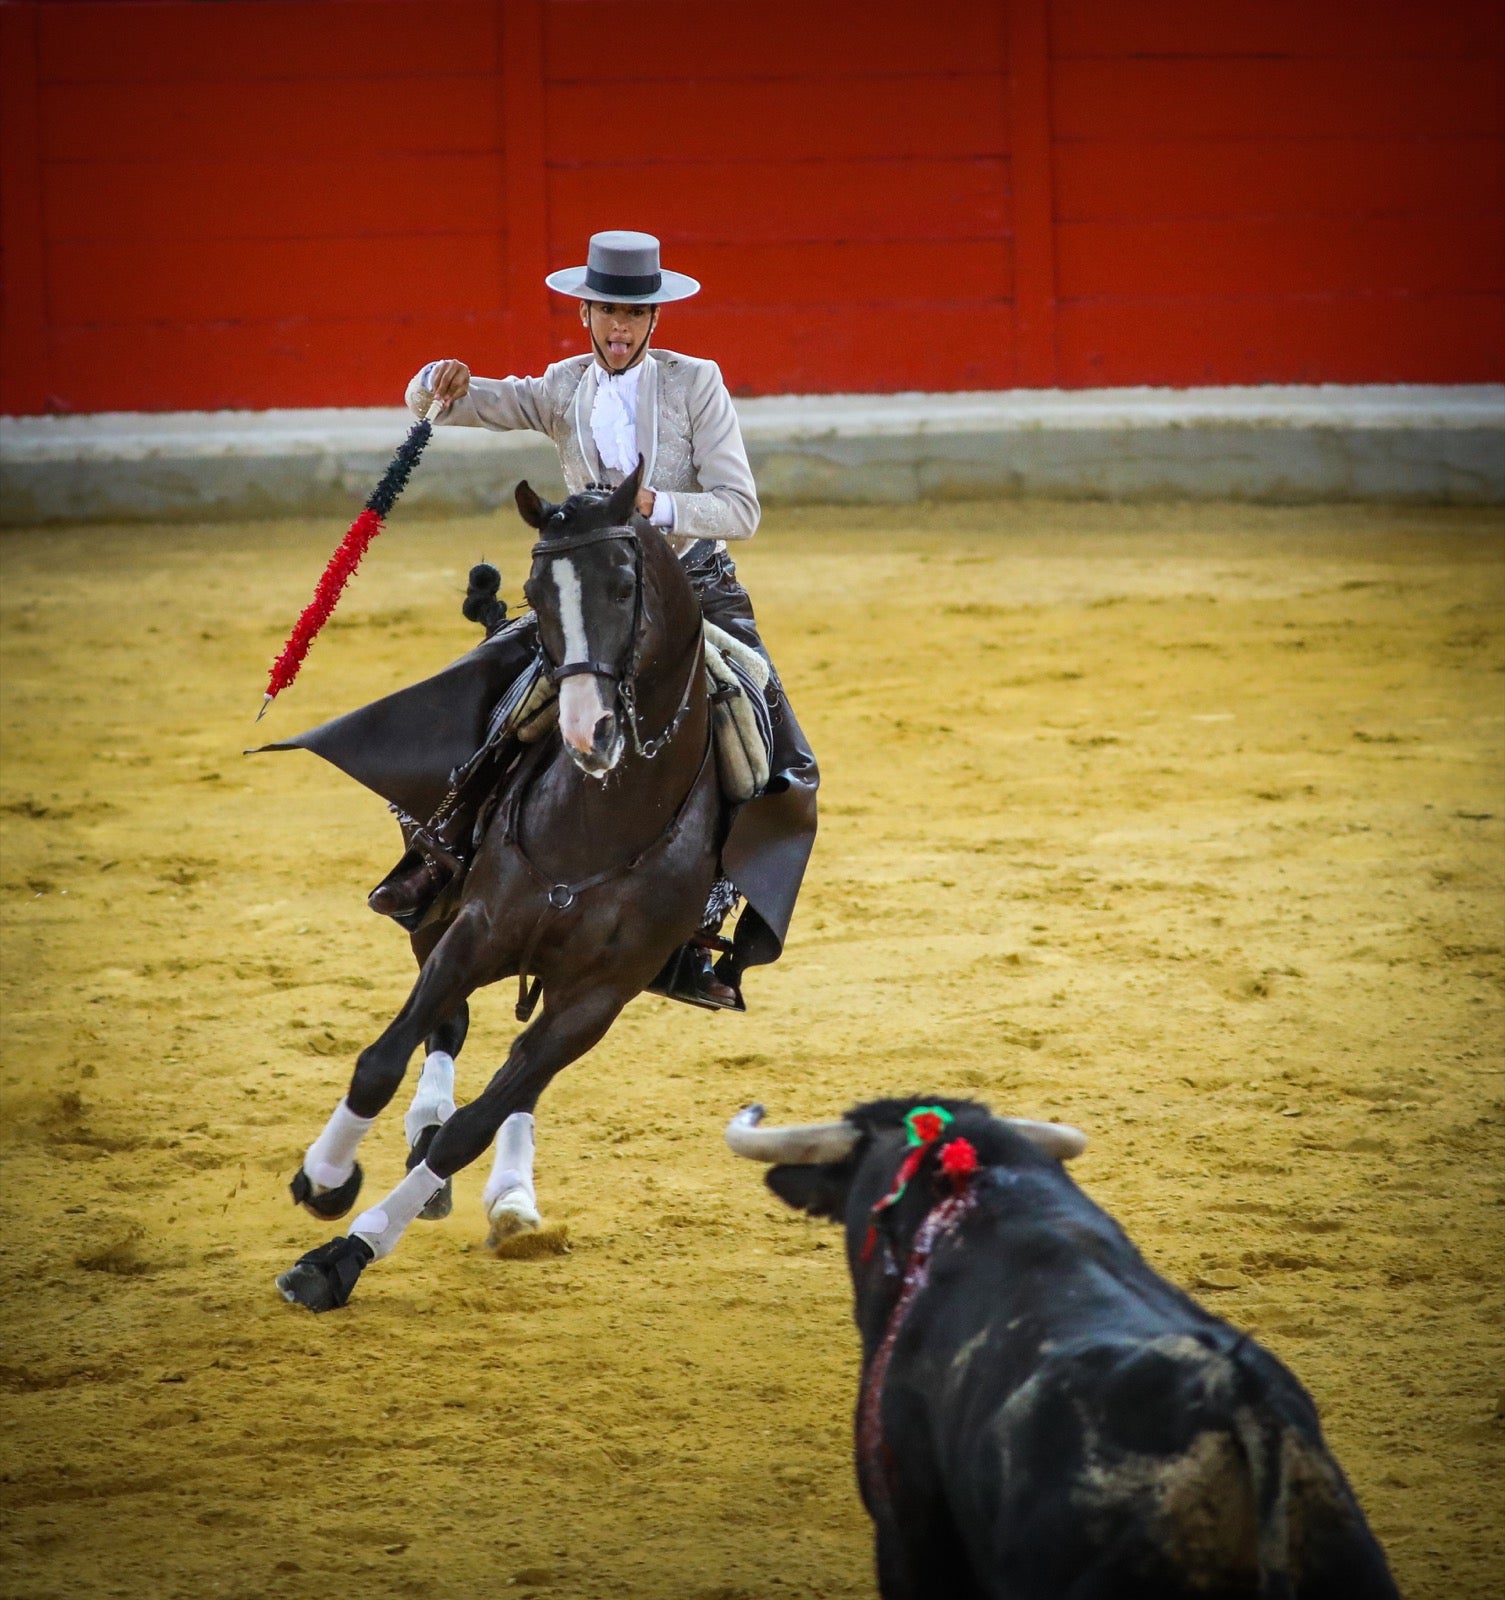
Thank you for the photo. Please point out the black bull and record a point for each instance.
(1048, 1418)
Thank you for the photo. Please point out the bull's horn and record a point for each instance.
(805, 1146)
(1056, 1139)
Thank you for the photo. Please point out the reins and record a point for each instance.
(627, 694)
(561, 896)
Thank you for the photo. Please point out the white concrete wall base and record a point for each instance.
(1409, 443)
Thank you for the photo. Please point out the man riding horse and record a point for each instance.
(604, 411)
(642, 435)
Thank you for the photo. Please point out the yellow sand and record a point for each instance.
(1182, 824)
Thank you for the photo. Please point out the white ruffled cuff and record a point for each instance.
(662, 515)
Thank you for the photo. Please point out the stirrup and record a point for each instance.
(680, 975)
(436, 852)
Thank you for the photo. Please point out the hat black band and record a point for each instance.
(623, 283)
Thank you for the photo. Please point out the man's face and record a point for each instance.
(618, 332)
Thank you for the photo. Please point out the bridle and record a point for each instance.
(624, 682)
(561, 896)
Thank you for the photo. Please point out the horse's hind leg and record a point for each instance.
(434, 1101)
(509, 1197)
(567, 1027)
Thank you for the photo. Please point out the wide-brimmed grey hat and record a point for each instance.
(622, 267)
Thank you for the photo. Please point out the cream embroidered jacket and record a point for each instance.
(686, 426)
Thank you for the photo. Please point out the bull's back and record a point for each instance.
(1160, 1466)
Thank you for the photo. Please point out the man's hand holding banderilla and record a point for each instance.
(448, 381)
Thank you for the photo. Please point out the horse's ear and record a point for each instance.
(534, 511)
(624, 498)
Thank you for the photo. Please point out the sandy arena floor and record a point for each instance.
(1182, 824)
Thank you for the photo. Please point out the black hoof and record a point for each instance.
(443, 1201)
(333, 1203)
(324, 1279)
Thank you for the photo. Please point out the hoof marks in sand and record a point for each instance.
(324, 1279)
(532, 1245)
(517, 1230)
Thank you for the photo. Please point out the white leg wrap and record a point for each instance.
(511, 1205)
(383, 1225)
(513, 1166)
(331, 1157)
(433, 1096)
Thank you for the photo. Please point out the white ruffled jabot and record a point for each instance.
(614, 427)
(614, 418)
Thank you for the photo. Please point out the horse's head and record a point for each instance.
(586, 588)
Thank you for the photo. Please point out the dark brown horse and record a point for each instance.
(595, 868)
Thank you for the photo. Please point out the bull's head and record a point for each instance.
(842, 1170)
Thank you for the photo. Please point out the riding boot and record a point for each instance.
(432, 862)
(407, 893)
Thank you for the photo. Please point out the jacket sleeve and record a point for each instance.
(499, 403)
(727, 505)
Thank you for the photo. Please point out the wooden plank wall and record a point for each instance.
(1299, 191)
(294, 202)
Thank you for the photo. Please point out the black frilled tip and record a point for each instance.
(395, 478)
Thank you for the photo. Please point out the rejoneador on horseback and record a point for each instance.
(557, 787)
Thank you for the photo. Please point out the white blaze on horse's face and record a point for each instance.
(586, 721)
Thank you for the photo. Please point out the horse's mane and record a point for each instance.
(585, 512)
(570, 516)
(580, 513)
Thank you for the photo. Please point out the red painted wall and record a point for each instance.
(295, 202)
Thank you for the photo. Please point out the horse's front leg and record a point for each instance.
(329, 1179)
(434, 1101)
(510, 1198)
(563, 1031)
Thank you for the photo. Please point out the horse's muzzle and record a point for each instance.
(588, 724)
(605, 748)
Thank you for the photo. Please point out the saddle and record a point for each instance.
(737, 680)
(741, 724)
